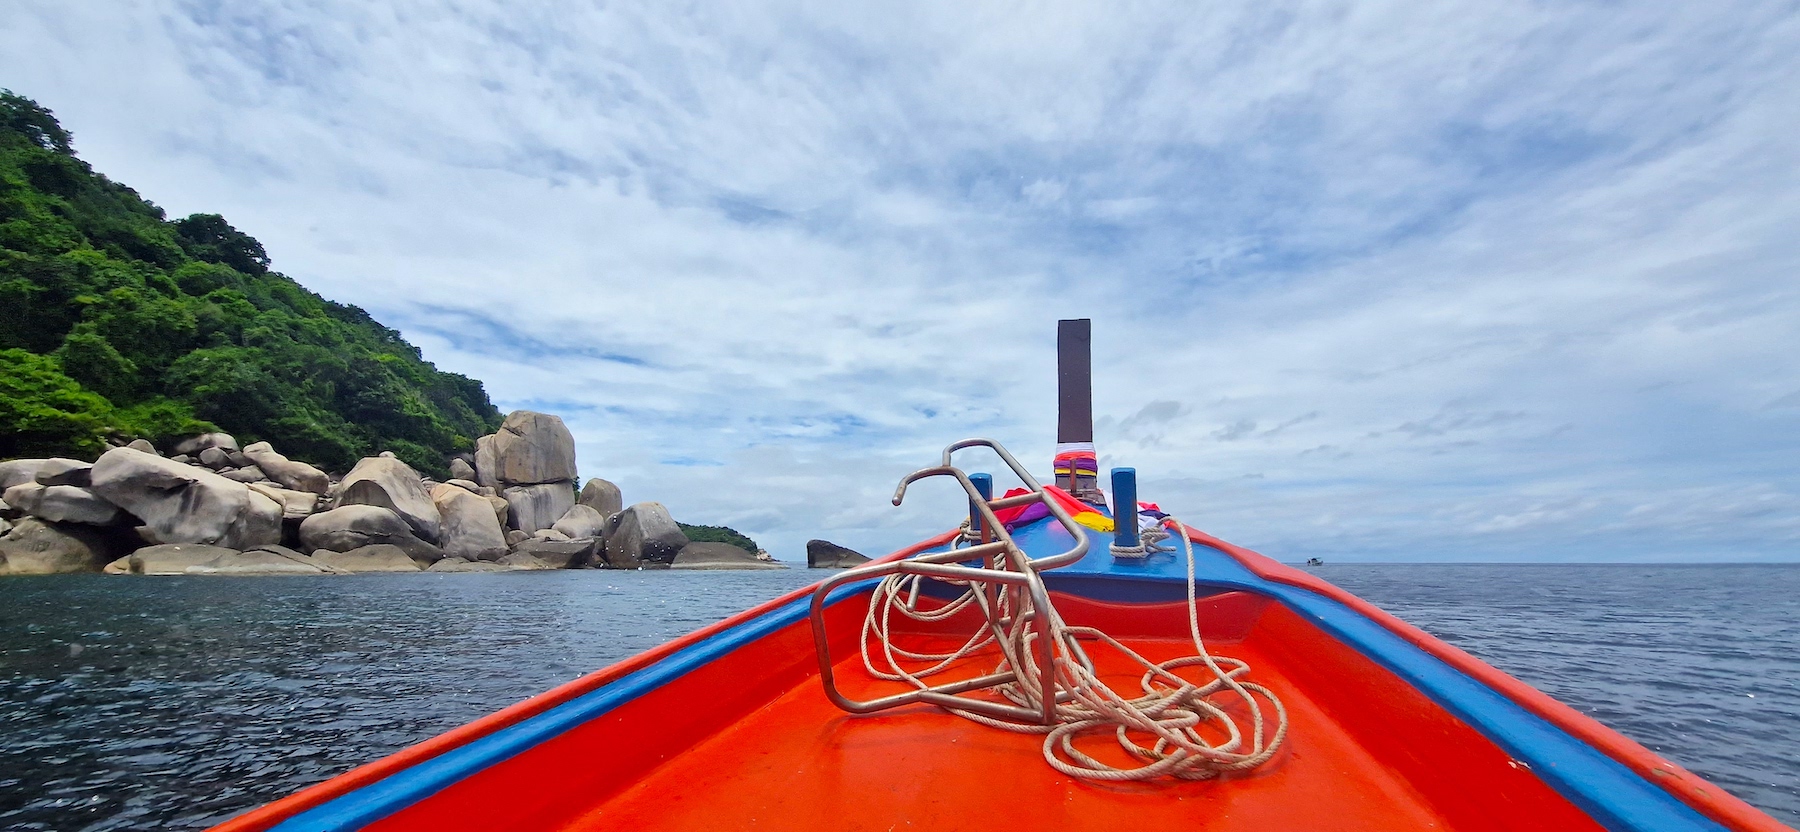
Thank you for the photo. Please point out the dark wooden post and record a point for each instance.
(1075, 408)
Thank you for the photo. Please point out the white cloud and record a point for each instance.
(1368, 280)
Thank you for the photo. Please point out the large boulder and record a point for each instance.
(532, 448)
(215, 458)
(261, 562)
(15, 471)
(824, 554)
(295, 505)
(601, 496)
(487, 465)
(40, 547)
(643, 535)
(560, 554)
(460, 469)
(293, 474)
(380, 557)
(470, 530)
(142, 445)
(533, 507)
(182, 504)
(62, 504)
(59, 471)
(520, 561)
(581, 521)
(247, 476)
(166, 559)
(356, 526)
(393, 485)
(706, 555)
(193, 445)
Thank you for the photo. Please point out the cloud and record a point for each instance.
(1368, 280)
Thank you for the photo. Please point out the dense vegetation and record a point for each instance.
(116, 323)
(719, 534)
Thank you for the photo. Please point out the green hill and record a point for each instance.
(116, 322)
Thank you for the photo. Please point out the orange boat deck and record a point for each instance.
(801, 763)
(1365, 751)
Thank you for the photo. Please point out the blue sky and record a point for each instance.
(1379, 281)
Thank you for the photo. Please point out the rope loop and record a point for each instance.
(1182, 728)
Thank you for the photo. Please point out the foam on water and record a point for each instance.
(159, 703)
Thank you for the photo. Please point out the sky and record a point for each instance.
(1381, 281)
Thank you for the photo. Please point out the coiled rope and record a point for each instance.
(1170, 709)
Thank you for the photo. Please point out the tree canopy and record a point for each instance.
(117, 323)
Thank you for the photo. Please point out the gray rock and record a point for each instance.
(62, 504)
(293, 474)
(460, 565)
(380, 557)
(40, 547)
(560, 554)
(550, 535)
(533, 507)
(245, 475)
(469, 529)
(519, 561)
(388, 455)
(602, 497)
(239, 459)
(353, 527)
(166, 559)
(143, 445)
(532, 448)
(59, 471)
(643, 535)
(466, 485)
(461, 470)
(581, 521)
(499, 505)
(487, 466)
(279, 550)
(705, 555)
(824, 554)
(5, 524)
(260, 562)
(295, 505)
(15, 471)
(393, 485)
(515, 537)
(182, 458)
(182, 504)
(193, 445)
(215, 458)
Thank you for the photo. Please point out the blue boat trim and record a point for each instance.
(1612, 794)
(366, 805)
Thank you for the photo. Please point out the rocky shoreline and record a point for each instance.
(213, 508)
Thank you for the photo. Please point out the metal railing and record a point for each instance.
(1004, 568)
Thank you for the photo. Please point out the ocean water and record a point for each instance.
(179, 702)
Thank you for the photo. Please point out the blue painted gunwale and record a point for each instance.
(1616, 797)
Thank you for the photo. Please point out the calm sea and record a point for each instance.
(178, 702)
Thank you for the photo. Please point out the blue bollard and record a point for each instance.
(984, 483)
(1125, 513)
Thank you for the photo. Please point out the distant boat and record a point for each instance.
(1345, 717)
(1314, 562)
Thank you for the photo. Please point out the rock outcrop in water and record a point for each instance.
(213, 508)
(824, 554)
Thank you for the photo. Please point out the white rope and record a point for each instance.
(1169, 712)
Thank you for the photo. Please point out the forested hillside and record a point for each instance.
(116, 322)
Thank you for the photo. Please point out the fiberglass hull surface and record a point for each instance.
(729, 728)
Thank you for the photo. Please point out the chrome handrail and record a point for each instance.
(1004, 563)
